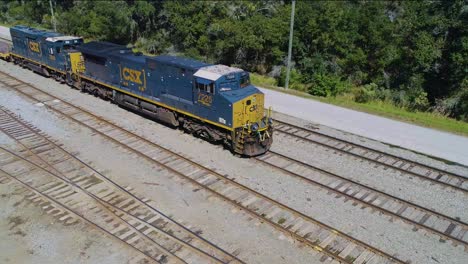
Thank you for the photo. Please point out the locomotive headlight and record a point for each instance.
(254, 127)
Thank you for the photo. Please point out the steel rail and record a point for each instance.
(97, 199)
(107, 204)
(461, 178)
(302, 239)
(71, 211)
(442, 234)
(6, 40)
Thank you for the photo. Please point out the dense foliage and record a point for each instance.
(411, 53)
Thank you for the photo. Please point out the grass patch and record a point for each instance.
(263, 81)
(6, 25)
(281, 221)
(24, 23)
(385, 109)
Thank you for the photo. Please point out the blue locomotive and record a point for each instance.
(42, 51)
(215, 102)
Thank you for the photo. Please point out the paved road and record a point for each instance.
(5, 32)
(433, 142)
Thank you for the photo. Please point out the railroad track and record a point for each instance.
(60, 211)
(333, 245)
(447, 228)
(2, 38)
(57, 177)
(380, 158)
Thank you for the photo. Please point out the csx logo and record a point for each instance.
(34, 46)
(132, 75)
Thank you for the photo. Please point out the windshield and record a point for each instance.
(244, 81)
(228, 86)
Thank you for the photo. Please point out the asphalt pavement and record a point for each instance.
(5, 32)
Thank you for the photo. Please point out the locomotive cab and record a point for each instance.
(230, 87)
(42, 51)
(253, 128)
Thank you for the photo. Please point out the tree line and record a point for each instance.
(411, 53)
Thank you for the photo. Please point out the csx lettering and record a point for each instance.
(205, 99)
(132, 75)
(34, 46)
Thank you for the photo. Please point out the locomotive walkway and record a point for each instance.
(429, 141)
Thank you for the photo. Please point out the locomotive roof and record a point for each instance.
(203, 70)
(100, 48)
(62, 38)
(35, 32)
(130, 56)
(179, 62)
(214, 72)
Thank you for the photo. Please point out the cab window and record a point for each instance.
(206, 87)
(244, 81)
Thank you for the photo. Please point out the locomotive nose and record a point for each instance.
(249, 111)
